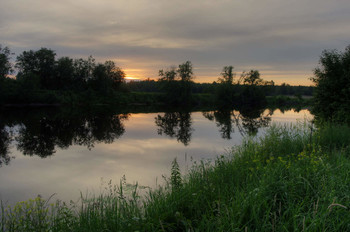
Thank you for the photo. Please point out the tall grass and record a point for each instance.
(291, 179)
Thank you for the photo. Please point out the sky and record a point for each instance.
(281, 39)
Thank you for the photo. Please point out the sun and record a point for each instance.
(131, 78)
(128, 79)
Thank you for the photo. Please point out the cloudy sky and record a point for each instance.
(282, 39)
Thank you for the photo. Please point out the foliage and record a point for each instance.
(177, 84)
(251, 78)
(5, 64)
(175, 124)
(64, 73)
(185, 71)
(40, 63)
(225, 95)
(168, 75)
(227, 75)
(292, 179)
(332, 80)
(85, 82)
(175, 180)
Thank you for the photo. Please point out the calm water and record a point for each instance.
(68, 152)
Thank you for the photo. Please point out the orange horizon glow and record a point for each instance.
(132, 78)
(293, 78)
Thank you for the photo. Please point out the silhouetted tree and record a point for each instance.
(227, 75)
(64, 73)
(252, 95)
(83, 70)
(107, 77)
(5, 64)
(40, 63)
(177, 84)
(332, 80)
(168, 75)
(114, 73)
(251, 78)
(225, 95)
(185, 71)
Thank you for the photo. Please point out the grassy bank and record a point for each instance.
(292, 179)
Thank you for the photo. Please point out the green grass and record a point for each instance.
(292, 179)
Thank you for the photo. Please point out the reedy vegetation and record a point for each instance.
(292, 179)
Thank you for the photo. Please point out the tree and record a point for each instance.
(177, 84)
(225, 92)
(107, 77)
(64, 72)
(251, 78)
(40, 63)
(252, 94)
(185, 71)
(99, 80)
(83, 69)
(5, 64)
(114, 73)
(168, 75)
(332, 80)
(227, 75)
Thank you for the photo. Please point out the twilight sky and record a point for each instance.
(282, 39)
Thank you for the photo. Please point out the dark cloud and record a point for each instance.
(275, 36)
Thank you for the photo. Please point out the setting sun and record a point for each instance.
(128, 78)
(132, 78)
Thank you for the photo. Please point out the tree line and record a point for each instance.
(43, 78)
(40, 70)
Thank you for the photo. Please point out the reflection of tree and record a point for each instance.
(253, 119)
(247, 120)
(41, 137)
(176, 124)
(5, 141)
(37, 139)
(223, 121)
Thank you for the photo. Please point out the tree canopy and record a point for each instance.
(5, 64)
(332, 80)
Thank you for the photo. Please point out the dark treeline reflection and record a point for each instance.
(247, 120)
(175, 125)
(41, 132)
(5, 141)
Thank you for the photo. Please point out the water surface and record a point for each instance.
(47, 152)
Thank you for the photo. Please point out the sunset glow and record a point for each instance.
(145, 36)
(131, 78)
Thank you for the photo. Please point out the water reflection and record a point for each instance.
(40, 133)
(138, 151)
(175, 124)
(5, 141)
(247, 120)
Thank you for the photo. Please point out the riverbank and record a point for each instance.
(89, 99)
(293, 178)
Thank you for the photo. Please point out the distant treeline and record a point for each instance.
(42, 79)
(149, 86)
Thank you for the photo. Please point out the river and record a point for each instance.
(67, 153)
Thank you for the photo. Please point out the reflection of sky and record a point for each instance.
(140, 154)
